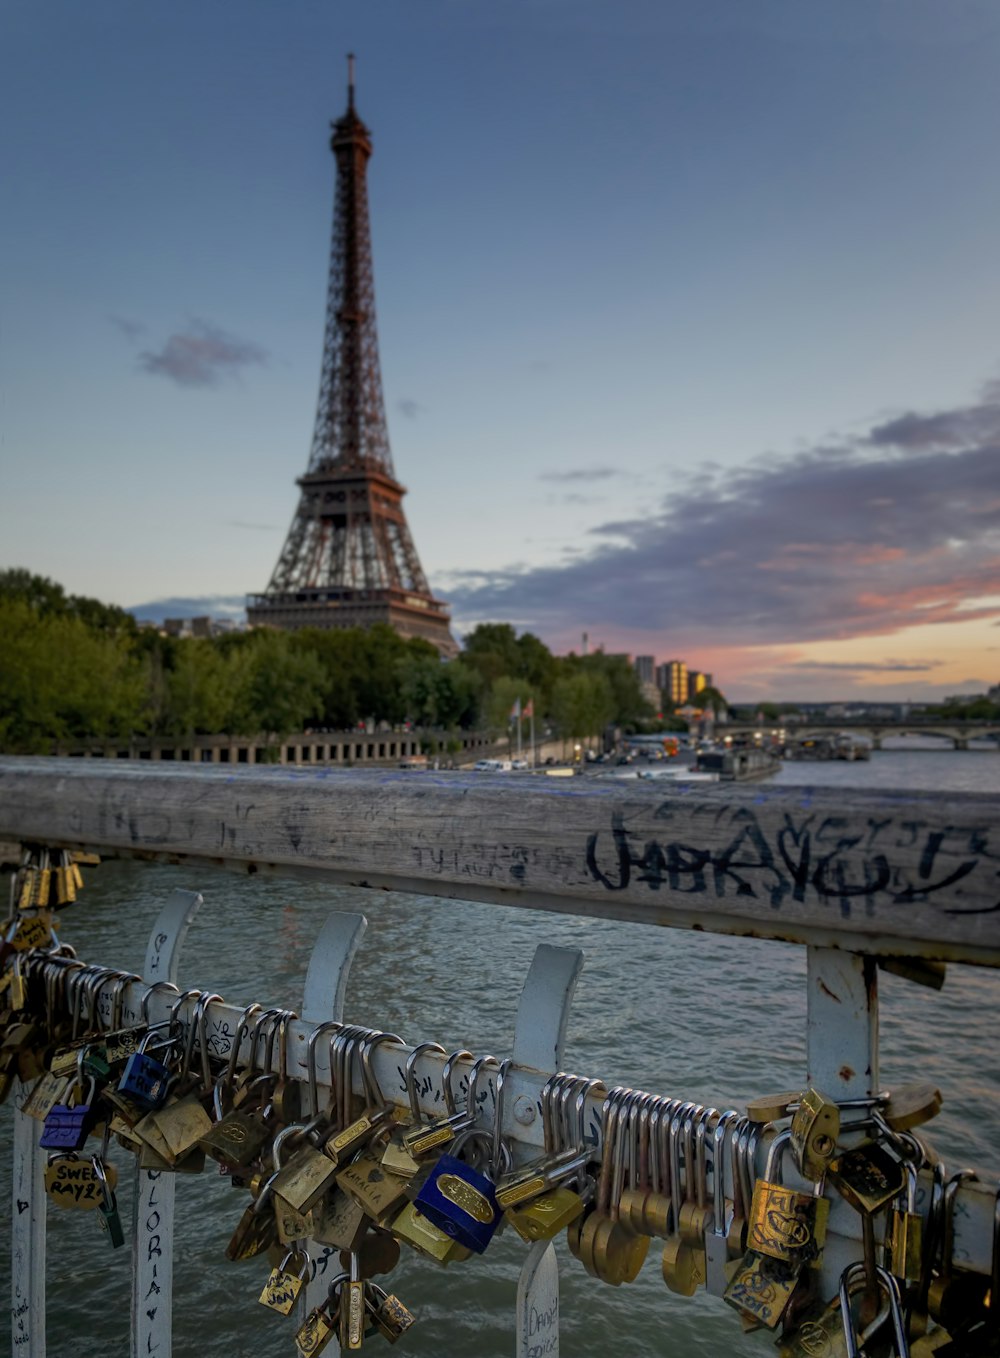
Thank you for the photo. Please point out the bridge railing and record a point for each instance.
(853, 877)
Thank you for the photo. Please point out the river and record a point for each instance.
(713, 1018)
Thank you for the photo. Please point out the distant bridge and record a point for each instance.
(876, 729)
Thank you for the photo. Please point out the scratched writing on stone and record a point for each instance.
(831, 857)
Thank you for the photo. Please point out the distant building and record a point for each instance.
(697, 680)
(197, 627)
(644, 666)
(651, 693)
(188, 627)
(672, 680)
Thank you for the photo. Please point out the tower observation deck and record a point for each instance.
(349, 559)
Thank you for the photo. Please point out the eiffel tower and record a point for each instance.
(349, 559)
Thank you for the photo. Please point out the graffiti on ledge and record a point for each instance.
(895, 861)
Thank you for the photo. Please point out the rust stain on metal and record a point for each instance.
(846, 1073)
(827, 991)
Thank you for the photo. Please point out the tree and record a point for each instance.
(203, 688)
(582, 704)
(710, 699)
(505, 692)
(60, 681)
(280, 689)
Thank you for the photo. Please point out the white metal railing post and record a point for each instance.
(539, 1033)
(151, 1330)
(322, 1001)
(842, 1060)
(27, 1245)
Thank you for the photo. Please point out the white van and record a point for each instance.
(492, 766)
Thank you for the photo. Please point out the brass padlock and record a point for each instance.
(868, 1177)
(413, 1228)
(339, 1220)
(609, 1249)
(784, 1223)
(814, 1132)
(388, 1312)
(904, 1232)
(282, 1289)
(366, 1180)
(762, 1287)
(353, 1312)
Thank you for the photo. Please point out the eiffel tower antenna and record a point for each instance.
(349, 559)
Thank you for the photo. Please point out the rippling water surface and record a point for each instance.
(713, 1018)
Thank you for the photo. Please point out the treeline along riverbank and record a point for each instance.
(74, 669)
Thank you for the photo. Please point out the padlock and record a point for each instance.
(73, 1184)
(904, 1232)
(717, 1254)
(67, 1128)
(607, 1246)
(954, 1297)
(868, 1177)
(855, 1278)
(428, 1240)
(339, 1220)
(683, 1264)
(304, 1176)
(353, 1313)
(281, 1291)
(145, 1080)
(761, 1288)
(321, 1323)
(814, 1132)
(423, 1138)
(458, 1198)
(391, 1317)
(785, 1224)
(107, 1209)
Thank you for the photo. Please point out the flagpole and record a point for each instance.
(519, 732)
(534, 747)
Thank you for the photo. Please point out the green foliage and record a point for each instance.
(61, 681)
(502, 697)
(582, 703)
(280, 686)
(47, 599)
(710, 699)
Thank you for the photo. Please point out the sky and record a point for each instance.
(687, 314)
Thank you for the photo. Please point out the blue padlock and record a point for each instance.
(460, 1201)
(458, 1198)
(145, 1080)
(66, 1128)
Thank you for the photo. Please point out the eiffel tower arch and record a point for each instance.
(349, 558)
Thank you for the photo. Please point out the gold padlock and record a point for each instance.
(282, 1289)
(868, 1177)
(762, 1287)
(815, 1129)
(422, 1235)
(784, 1223)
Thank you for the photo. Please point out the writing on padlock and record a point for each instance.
(145, 1080)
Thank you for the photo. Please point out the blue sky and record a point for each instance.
(656, 285)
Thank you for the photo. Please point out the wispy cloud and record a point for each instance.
(132, 330)
(408, 407)
(865, 667)
(201, 356)
(896, 527)
(580, 474)
(261, 527)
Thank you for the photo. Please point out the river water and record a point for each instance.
(713, 1018)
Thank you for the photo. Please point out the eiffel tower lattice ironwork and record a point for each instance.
(349, 559)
